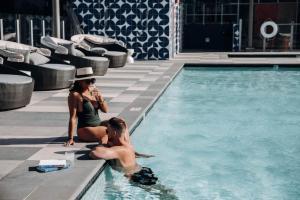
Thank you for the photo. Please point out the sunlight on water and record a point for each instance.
(218, 134)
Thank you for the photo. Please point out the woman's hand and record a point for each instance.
(69, 142)
(95, 92)
(99, 98)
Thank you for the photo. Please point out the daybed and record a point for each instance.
(47, 72)
(114, 50)
(66, 50)
(15, 87)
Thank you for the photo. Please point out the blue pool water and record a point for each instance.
(218, 134)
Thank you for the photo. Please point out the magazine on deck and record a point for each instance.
(53, 163)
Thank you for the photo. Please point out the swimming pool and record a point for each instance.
(218, 134)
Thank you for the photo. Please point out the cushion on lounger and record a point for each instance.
(96, 58)
(70, 47)
(99, 39)
(96, 39)
(2, 45)
(20, 48)
(24, 52)
(12, 56)
(38, 59)
(83, 44)
(61, 67)
(79, 40)
(14, 79)
(78, 53)
(44, 51)
(53, 44)
(121, 43)
(98, 50)
(115, 53)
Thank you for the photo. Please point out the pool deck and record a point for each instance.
(38, 130)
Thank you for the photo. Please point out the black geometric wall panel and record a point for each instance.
(144, 25)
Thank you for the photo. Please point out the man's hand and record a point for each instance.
(141, 155)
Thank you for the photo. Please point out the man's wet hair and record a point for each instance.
(118, 125)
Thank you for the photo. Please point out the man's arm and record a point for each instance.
(104, 153)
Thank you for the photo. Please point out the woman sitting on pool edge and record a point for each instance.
(122, 152)
(84, 101)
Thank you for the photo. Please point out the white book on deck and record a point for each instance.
(53, 163)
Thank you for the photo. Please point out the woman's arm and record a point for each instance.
(72, 103)
(102, 103)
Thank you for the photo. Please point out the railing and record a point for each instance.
(27, 29)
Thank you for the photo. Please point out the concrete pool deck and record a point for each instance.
(38, 130)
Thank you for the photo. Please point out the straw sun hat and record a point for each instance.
(84, 73)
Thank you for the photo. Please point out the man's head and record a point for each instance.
(116, 127)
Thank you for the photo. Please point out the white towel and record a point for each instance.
(53, 163)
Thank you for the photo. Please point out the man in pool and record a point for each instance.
(122, 152)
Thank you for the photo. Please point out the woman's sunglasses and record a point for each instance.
(90, 81)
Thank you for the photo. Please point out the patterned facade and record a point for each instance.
(144, 25)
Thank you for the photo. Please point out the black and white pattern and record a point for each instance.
(179, 25)
(144, 25)
(236, 37)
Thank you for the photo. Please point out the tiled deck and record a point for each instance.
(38, 131)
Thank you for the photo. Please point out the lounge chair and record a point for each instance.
(114, 50)
(66, 50)
(15, 87)
(47, 72)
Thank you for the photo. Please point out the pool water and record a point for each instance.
(218, 134)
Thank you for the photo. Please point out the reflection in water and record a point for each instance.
(158, 190)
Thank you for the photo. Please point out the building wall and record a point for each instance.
(144, 25)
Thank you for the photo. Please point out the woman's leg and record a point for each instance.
(92, 134)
